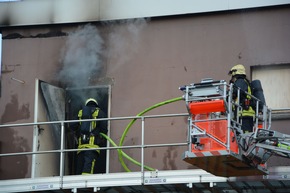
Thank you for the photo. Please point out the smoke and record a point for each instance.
(83, 54)
(124, 40)
(81, 57)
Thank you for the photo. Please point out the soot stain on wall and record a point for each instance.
(169, 158)
(14, 112)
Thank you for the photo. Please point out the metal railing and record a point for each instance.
(62, 150)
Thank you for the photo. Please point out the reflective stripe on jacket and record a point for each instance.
(94, 116)
(250, 112)
(91, 144)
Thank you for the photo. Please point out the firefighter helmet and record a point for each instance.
(238, 69)
(91, 101)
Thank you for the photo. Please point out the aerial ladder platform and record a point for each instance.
(217, 143)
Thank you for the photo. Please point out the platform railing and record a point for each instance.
(205, 100)
(62, 150)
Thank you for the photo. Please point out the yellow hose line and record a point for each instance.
(133, 121)
(125, 155)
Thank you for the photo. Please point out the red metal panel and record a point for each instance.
(207, 107)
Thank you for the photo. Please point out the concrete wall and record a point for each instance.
(145, 61)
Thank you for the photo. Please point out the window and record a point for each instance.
(275, 81)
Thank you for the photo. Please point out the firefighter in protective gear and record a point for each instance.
(89, 136)
(239, 79)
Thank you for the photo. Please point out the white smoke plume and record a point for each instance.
(81, 57)
(124, 40)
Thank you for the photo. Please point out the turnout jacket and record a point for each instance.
(91, 138)
(244, 85)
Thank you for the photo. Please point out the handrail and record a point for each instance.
(99, 119)
(63, 149)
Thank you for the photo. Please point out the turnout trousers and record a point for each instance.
(86, 162)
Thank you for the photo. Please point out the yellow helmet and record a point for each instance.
(91, 101)
(238, 69)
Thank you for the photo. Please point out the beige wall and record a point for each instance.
(145, 63)
(275, 79)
